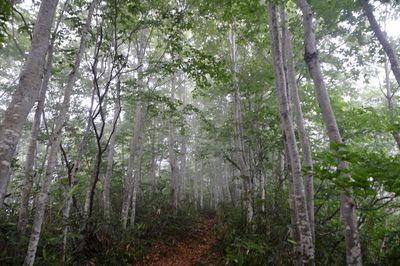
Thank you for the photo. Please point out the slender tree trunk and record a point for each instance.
(263, 193)
(226, 184)
(26, 92)
(42, 166)
(153, 162)
(184, 140)
(243, 161)
(300, 204)
(201, 190)
(175, 171)
(194, 185)
(294, 220)
(389, 99)
(110, 160)
(138, 164)
(214, 186)
(348, 208)
(74, 171)
(136, 184)
(129, 183)
(29, 172)
(89, 201)
(305, 145)
(55, 143)
(387, 47)
(183, 167)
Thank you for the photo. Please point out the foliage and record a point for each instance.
(5, 14)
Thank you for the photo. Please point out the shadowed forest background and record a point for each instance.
(182, 132)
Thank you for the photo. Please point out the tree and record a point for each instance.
(55, 143)
(387, 47)
(347, 206)
(26, 92)
(244, 167)
(29, 172)
(300, 204)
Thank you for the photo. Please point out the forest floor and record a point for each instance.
(193, 248)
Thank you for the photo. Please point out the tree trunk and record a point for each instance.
(263, 193)
(390, 52)
(201, 189)
(243, 161)
(183, 169)
(349, 218)
(89, 201)
(129, 183)
(29, 172)
(389, 99)
(175, 171)
(300, 204)
(110, 160)
(74, 171)
(305, 145)
(26, 92)
(55, 143)
(184, 142)
(138, 168)
(153, 162)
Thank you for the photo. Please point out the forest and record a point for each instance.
(184, 132)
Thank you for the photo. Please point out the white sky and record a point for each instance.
(393, 28)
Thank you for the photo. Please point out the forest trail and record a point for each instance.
(193, 248)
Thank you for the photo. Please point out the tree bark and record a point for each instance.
(29, 172)
(300, 204)
(389, 100)
(183, 170)
(349, 218)
(243, 160)
(175, 171)
(201, 189)
(138, 167)
(130, 182)
(135, 146)
(305, 145)
(26, 92)
(184, 142)
(387, 47)
(55, 143)
(110, 160)
(74, 171)
(153, 161)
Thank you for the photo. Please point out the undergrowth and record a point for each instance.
(98, 242)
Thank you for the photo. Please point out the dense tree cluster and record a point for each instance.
(122, 121)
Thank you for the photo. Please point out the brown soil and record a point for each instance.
(191, 249)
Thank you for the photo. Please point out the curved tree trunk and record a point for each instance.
(74, 171)
(390, 52)
(347, 206)
(26, 92)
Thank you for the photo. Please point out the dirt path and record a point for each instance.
(193, 248)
